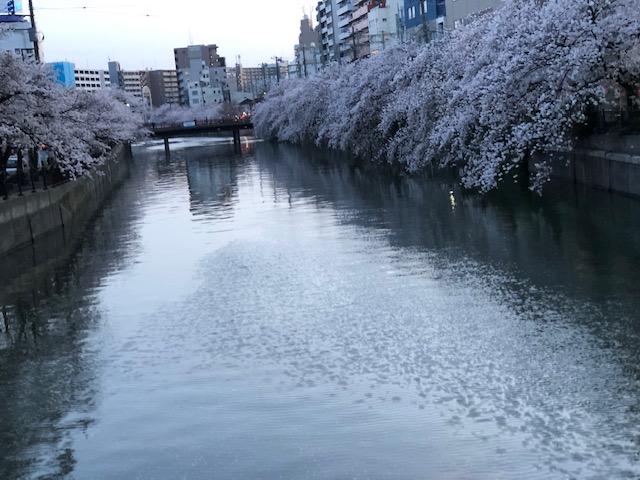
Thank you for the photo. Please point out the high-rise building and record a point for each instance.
(359, 29)
(344, 11)
(202, 76)
(307, 51)
(327, 21)
(163, 87)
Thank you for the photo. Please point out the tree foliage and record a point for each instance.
(78, 127)
(510, 84)
(168, 114)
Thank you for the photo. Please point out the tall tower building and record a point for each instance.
(326, 15)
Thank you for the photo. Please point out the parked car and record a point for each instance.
(12, 164)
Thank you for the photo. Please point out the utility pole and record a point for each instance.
(423, 9)
(34, 32)
(304, 61)
(355, 47)
(278, 59)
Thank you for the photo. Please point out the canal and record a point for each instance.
(288, 313)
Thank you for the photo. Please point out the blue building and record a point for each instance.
(424, 19)
(64, 73)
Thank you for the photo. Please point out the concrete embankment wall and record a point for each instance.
(610, 162)
(33, 215)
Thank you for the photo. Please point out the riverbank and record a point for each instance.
(610, 162)
(31, 216)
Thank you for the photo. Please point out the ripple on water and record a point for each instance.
(509, 378)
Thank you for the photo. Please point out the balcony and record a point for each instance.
(344, 10)
(344, 22)
(361, 12)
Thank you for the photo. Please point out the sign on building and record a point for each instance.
(10, 7)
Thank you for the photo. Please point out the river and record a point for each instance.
(288, 313)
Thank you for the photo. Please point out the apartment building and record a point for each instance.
(202, 76)
(327, 22)
(385, 24)
(91, 80)
(163, 87)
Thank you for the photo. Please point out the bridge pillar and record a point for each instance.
(236, 138)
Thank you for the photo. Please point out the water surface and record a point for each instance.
(288, 313)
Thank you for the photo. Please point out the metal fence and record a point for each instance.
(31, 180)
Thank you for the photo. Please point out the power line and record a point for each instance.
(99, 10)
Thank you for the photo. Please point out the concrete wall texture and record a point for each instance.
(608, 162)
(27, 218)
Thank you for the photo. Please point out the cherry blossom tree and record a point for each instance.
(167, 114)
(485, 98)
(79, 127)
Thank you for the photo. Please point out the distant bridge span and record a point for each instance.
(198, 127)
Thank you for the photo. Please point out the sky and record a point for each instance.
(141, 34)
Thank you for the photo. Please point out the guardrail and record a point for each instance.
(199, 123)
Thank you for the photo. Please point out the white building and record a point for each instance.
(91, 80)
(385, 24)
(133, 82)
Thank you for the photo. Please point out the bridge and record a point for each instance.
(200, 127)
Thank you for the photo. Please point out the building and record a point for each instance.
(64, 73)
(460, 13)
(163, 87)
(128, 80)
(307, 51)
(344, 8)
(91, 80)
(359, 29)
(258, 80)
(202, 75)
(116, 78)
(385, 24)
(327, 22)
(17, 36)
(132, 80)
(425, 19)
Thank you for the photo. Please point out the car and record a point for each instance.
(12, 165)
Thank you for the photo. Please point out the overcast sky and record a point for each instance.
(141, 34)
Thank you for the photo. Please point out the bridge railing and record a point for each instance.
(207, 122)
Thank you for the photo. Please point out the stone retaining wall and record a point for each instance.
(31, 216)
(611, 163)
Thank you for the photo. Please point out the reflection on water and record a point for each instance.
(288, 313)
